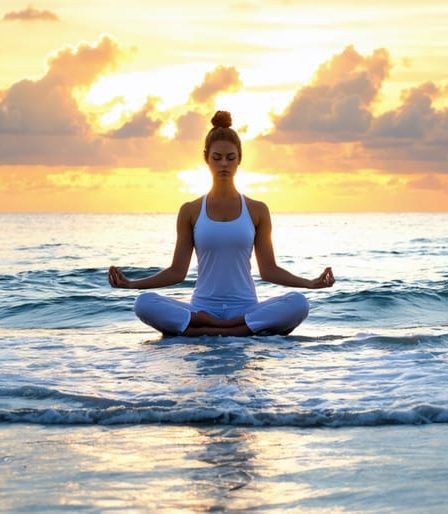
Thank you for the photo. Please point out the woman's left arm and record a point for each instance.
(267, 266)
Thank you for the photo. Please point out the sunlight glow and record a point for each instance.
(198, 181)
(250, 121)
(169, 130)
(131, 88)
(136, 87)
(113, 117)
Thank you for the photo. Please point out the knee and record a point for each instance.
(299, 305)
(143, 303)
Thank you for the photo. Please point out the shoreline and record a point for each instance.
(166, 468)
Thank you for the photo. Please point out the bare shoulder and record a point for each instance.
(189, 211)
(258, 210)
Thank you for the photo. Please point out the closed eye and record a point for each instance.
(218, 157)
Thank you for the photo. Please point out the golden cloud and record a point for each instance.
(222, 78)
(336, 106)
(329, 125)
(30, 14)
(142, 124)
(335, 112)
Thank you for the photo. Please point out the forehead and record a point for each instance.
(223, 147)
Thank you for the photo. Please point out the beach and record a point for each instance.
(181, 468)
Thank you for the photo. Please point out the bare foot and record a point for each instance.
(239, 330)
(204, 319)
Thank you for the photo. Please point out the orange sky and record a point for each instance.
(341, 107)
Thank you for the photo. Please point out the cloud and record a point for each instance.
(222, 78)
(55, 150)
(82, 64)
(30, 14)
(46, 106)
(336, 106)
(413, 133)
(329, 125)
(336, 113)
(430, 182)
(140, 125)
(75, 180)
(413, 119)
(40, 107)
(415, 124)
(191, 126)
(40, 121)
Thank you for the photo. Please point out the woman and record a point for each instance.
(223, 227)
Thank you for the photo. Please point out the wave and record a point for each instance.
(344, 343)
(394, 291)
(83, 298)
(57, 281)
(121, 414)
(79, 279)
(68, 298)
(91, 410)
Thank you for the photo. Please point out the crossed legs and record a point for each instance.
(279, 315)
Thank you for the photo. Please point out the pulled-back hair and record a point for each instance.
(221, 131)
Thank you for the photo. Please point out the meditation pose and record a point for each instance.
(223, 227)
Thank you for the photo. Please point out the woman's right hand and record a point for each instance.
(118, 279)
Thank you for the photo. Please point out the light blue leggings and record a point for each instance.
(278, 315)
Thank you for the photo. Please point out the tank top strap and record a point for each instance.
(203, 211)
(245, 211)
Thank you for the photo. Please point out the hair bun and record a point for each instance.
(222, 119)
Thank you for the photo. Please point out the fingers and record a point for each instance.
(111, 277)
(114, 276)
(327, 278)
(330, 280)
(117, 278)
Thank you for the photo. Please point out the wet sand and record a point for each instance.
(171, 468)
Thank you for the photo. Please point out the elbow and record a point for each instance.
(266, 274)
(178, 275)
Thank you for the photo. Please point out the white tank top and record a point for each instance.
(223, 250)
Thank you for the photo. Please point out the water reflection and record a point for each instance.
(170, 469)
(229, 458)
(218, 357)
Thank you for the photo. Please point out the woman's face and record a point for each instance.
(223, 159)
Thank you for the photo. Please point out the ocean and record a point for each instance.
(100, 413)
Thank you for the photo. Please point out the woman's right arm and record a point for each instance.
(179, 265)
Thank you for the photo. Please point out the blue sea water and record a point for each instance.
(356, 396)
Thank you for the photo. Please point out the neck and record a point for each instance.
(223, 189)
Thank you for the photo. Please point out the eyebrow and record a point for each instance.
(220, 154)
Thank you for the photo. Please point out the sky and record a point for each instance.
(341, 106)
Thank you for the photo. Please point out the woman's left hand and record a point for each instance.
(326, 279)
